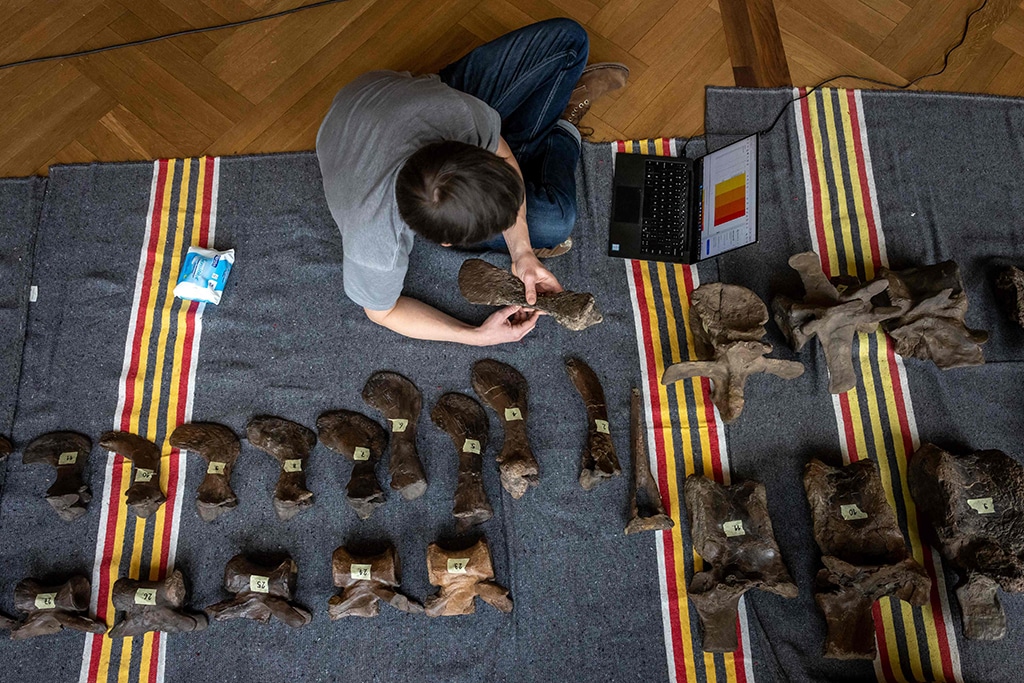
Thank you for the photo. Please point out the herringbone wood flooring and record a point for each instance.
(265, 87)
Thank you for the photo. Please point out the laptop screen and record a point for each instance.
(730, 198)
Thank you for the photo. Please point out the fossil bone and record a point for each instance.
(1010, 292)
(67, 453)
(219, 448)
(144, 496)
(290, 444)
(153, 606)
(400, 402)
(463, 575)
(5, 448)
(647, 512)
(464, 420)
(503, 389)
(365, 582)
(6, 623)
(261, 592)
(362, 441)
(599, 461)
(52, 608)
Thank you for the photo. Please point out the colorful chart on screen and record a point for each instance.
(730, 198)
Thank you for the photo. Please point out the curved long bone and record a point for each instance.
(68, 454)
(362, 441)
(290, 444)
(52, 608)
(464, 420)
(503, 390)
(598, 461)
(153, 606)
(261, 592)
(647, 512)
(462, 576)
(366, 581)
(219, 448)
(400, 402)
(144, 496)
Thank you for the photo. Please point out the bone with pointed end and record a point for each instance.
(503, 390)
(400, 402)
(482, 283)
(153, 606)
(52, 608)
(462, 576)
(647, 512)
(260, 593)
(362, 441)
(366, 581)
(290, 444)
(598, 461)
(219, 448)
(5, 448)
(464, 420)
(68, 454)
(144, 496)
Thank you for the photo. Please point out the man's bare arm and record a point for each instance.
(413, 318)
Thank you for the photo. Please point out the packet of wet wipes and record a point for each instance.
(204, 274)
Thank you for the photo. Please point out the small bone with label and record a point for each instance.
(52, 608)
(647, 512)
(261, 592)
(400, 402)
(219, 448)
(290, 444)
(362, 441)
(67, 453)
(599, 461)
(153, 606)
(144, 496)
(462, 576)
(366, 581)
(503, 390)
(464, 420)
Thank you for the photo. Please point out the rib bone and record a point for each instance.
(144, 496)
(362, 441)
(400, 402)
(290, 444)
(599, 461)
(219, 448)
(647, 512)
(503, 390)
(68, 454)
(464, 420)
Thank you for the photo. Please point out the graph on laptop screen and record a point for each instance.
(730, 198)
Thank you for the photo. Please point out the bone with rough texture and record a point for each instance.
(832, 315)
(261, 592)
(6, 623)
(482, 283)
(647, 512)
(1009, 292)
(400, 402)
(153, 606)
(219, 448)
(976, 504)
(362, 441)
(598, 461)
(462, 576)
(503, 390)
(144, 496)
(5, 448)
(290, 444)
(50, 608)
(464, 420)
(68, 454)
(864, 554)
(366, 581)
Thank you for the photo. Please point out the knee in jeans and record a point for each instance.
(574, 31)
(557, 228)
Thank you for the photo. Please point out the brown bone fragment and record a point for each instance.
(5, 448)
(400, 402)
(6, 623)
(864, 554)
(219, 448)
(976, 504)
(366, 581)
(482, 283)
(362, 441)
(464, 420)
(1009, 292)
(261, 592)
(647, 512)
(52, 608)
(463, 575)
(153, 606)
(68, 454)
(290, 444)
(599, 461)
(144, 496)
(503, 390)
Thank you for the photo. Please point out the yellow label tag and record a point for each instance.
(471, 446)
(259, 584)
(46, 601)
(399, 424)
(458, 565)
(143, 475)
(145, 596)
(734, 527)
(292, 465)
(851, 512)
(602, 426)
(69, 458)
(362, 453)
(983, 506)
(360, 572)
(513, 414)
(217, 467)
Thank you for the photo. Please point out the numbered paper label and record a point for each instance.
(399, 425)
(602, 426)
(46, 601)
(69, 458)
(734, 527)
(361, 453)
(292, 465)
(457, 565)
(361, 572)
(145, 596)
(217, 468)
(983, 506)
(513, 414)
(471, 446)
(259, 584)
(851, 512)
(144, 474)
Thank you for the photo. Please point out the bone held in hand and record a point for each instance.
(261, 593)
(144, 496)
(464, 420)
(400, 402)
(599, 461)
(366, 581)
(362, 441)
(153, 606)
(463, 575)
(647, 512)
(67, 453)
(219, 448)
(51, 608)
(482, 283)
(290, 444)
(504, 390)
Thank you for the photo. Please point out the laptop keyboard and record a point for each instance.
(666, 192)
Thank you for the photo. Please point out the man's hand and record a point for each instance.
(536, 278)
(508, 324)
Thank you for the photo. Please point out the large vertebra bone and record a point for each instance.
(53, 608)
(261, 592)
(366, 581)
(153, 606)
(462, 576)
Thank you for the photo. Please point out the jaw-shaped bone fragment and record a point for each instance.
(599, 461)
(290, 444)
(144, 496)
(832, 315)
(463, 575)
(261, 592)
(482, 283)
(503, 390)
(68, 453)
(153, 606)
(367, 580)
(733, 533)
(400, 402)
(864, 554)
(647, 512)
(52, 608)
(1009, 292)
(464, 420)
(976, 504)
(219, 447)
(362, 441)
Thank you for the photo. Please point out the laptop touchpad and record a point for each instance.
(627, 204)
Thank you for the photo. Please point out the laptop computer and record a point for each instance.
(684, 210)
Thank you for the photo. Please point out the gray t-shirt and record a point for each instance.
(375, 123)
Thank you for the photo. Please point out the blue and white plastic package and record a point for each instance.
(204, 274)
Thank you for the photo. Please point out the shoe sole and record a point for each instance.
(607, 65)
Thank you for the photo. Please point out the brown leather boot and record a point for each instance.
(596, 80)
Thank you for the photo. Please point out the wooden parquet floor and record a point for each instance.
(265, 87)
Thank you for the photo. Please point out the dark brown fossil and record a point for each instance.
(462, 576)
(52, 608)
(647, 512)
(598, 461)
(68, 454)
(362, 441)
(5, 448)
(482, 283)
(219, 448)
(261, 592)
(732, 531)
(290, 444)
(464, 420)
(503, 390)
(153, 606)
(400, 402)
(144, 496)
(1010, 293)
(366, 581)
(6, 623)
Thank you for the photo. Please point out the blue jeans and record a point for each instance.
(527, 76)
